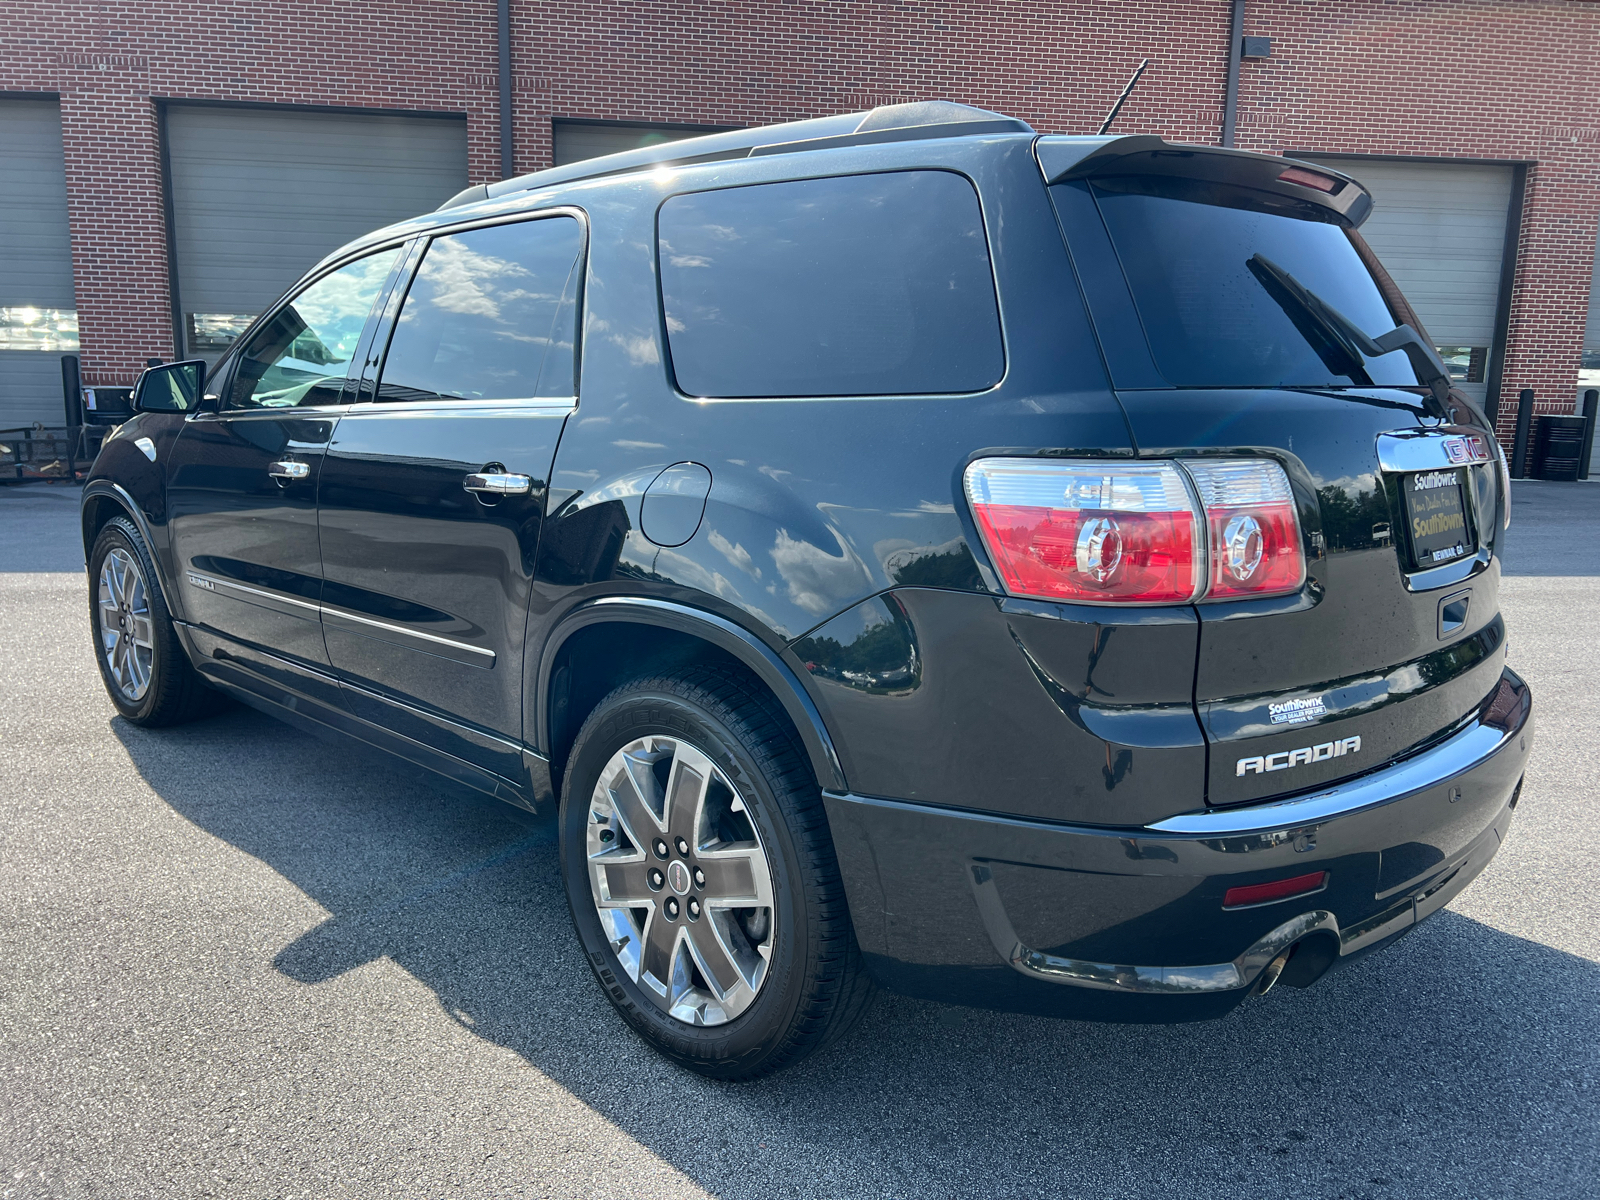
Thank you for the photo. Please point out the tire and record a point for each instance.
(144, 667)
(789, 978)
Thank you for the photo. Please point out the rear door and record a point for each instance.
(1395, 637)
(427, 582)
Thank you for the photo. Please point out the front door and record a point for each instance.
(433, 493)
(242, 483)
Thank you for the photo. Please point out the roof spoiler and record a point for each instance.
(889, 123)
(1064, 158)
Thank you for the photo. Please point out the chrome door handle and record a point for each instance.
(288, 470)
(487, 483)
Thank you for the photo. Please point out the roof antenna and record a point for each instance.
(1123, 99)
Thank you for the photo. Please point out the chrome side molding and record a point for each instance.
(432, 643)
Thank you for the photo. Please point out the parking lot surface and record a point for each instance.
(236, 961)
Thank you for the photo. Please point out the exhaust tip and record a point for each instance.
(1270, 973)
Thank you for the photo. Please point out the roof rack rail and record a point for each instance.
(889, 123)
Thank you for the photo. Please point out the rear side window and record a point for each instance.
(1213, 313)
(862, 285)
(490, 315)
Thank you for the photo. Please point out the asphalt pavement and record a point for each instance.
(236, 961)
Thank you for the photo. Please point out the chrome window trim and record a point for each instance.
(1446, 761)
(562, 406)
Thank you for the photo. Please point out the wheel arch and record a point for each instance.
(672, 634)
(103, 500)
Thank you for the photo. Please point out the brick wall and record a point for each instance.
(1497, 80)
(1463, 79)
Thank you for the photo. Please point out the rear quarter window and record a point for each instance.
(857, 285)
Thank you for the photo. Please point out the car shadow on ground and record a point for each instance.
(1457, 1027)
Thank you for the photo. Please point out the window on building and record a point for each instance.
(859, 285)
(491, 315)
(301, 356)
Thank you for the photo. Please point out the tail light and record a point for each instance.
(1138, 532)
(1254, 532)
(1105, 532)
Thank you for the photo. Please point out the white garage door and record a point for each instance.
(1440, 229)
(259, 195)
(38, 320)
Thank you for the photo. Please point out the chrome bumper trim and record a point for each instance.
(1443, 762)
(1114, 977)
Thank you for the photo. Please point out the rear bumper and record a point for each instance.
(1127, 923)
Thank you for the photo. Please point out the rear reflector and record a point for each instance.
(1278, 889)
(1090, 531)
(1107, 532)
(1310, 179)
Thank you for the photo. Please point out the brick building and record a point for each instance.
(168, 167)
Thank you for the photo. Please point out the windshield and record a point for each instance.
(1213, 320)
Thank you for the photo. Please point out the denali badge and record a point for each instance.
(1284, 759)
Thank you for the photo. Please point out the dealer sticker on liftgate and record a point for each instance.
(1437, 518)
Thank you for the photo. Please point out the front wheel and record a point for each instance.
(146, 672)
(702, 879)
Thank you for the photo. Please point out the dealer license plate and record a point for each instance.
(1436, 516)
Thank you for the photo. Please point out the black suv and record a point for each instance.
(1040, 573)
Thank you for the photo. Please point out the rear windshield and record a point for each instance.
(860, 285)
(1196, 273)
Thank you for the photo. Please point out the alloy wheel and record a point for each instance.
(126, 634)
(680, 880)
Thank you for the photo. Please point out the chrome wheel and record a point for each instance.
(126, 634)
(680, 880)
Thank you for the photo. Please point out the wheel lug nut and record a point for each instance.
(699, 877)
(694, 909)
(661, 848)
(657, 879)
(672, 908)
(683, 847)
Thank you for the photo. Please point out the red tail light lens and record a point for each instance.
(1099, 532)
(1254, 530)
(1134, 533)
(1278, 889)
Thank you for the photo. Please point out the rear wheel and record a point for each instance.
(702, 879)
(146, 672)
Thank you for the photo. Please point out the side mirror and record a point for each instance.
(172, 387)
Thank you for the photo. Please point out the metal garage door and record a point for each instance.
(38, 321)
(259, 195)
(578, 140)
(1440, 228)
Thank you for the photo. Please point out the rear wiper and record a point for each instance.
(1342, 345)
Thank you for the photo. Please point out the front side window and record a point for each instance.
(491, 315)
(1215, 287)
(301, 356)
(861, 285)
